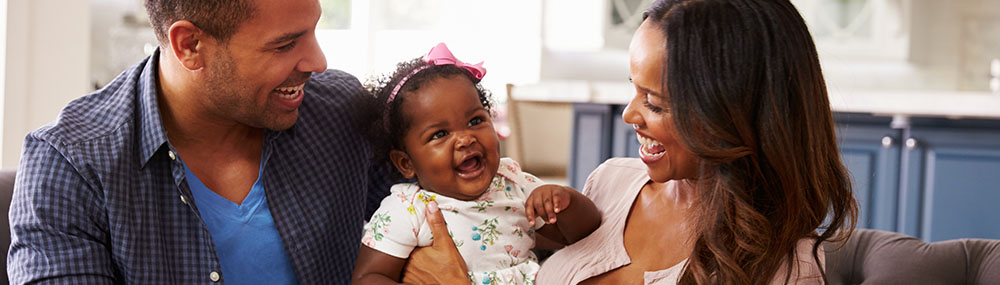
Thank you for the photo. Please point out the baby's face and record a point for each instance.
(451, 146)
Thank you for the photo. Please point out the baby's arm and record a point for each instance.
(569, 215)
(376, 267)
(388, 240)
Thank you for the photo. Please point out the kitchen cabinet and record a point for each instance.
(870, 150)
(951, 185)
(932, 178)
(591, 142)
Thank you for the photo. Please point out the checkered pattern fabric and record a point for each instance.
(99, 197)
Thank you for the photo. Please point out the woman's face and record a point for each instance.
(666, 157)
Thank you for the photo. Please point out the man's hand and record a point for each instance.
(546, 201)
(440, 263)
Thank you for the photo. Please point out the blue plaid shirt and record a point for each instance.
(99, 197)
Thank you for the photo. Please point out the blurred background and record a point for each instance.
(915, 84)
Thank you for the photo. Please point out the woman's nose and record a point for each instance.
(630, 115)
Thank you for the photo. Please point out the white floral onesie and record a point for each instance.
(491, 232)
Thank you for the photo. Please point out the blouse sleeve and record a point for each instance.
(393, 228)
(593, 178)
(805, 270)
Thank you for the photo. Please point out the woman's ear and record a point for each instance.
(402, 162)
(187, 44)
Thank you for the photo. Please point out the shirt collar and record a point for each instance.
(151, 131)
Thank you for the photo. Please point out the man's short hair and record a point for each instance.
(219, 18)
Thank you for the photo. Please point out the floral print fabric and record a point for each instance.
(491, 232)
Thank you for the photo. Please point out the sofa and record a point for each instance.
(868, 257)
(881, 257)
(6, 190)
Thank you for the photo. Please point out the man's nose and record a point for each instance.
(314, 60)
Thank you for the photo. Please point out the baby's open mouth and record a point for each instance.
(471, 167)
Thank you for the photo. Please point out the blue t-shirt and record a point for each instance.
(249, 247)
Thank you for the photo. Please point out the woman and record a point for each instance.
(740, 179)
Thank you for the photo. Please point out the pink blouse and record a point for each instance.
(613, 187)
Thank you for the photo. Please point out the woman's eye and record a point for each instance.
(475, 121)
(653, 108)
(438, 135)
(650, 106)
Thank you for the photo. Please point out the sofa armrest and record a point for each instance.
(882, 257)
(6, 191)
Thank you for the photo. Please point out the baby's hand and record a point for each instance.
(547, 201)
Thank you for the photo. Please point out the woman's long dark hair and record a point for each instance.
(748, 98)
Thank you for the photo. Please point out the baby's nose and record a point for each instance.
(465, 140)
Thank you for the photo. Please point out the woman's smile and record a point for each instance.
(650, 150)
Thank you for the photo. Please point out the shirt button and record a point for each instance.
(214, 276)
(172, 155)
(183, 200)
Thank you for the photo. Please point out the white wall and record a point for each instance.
(47, 65)
(3, 70)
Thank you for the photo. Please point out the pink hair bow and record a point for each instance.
(439, 55)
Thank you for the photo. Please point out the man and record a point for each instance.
(216, 159)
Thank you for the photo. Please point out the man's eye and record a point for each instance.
(475, 121)
(438, 135)
(287, 47)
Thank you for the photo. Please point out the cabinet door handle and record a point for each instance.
(886, 141)
(911, 144)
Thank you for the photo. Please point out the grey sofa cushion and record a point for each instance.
(6, 191)
(881, 257)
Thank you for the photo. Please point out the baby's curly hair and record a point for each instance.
(372, 108)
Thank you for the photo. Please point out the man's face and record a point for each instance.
(256, 78)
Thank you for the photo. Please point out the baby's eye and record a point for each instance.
(475, 121)
(438, 135)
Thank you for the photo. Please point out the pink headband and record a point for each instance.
(439, 55)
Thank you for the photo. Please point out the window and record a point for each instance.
(336, 15)
(859, 28)
(367, 37)
(625, 17)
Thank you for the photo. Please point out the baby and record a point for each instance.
(432, 120)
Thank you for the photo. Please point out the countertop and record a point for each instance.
(946, 104)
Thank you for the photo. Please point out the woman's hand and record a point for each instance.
(440, 263)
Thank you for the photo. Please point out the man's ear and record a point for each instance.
(187, 42)
(402, 162)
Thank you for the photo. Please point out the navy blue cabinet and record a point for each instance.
(952, 188)
(870, 150)
(624, 142)
(933, 178)
(599, 133)
(591, 140)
